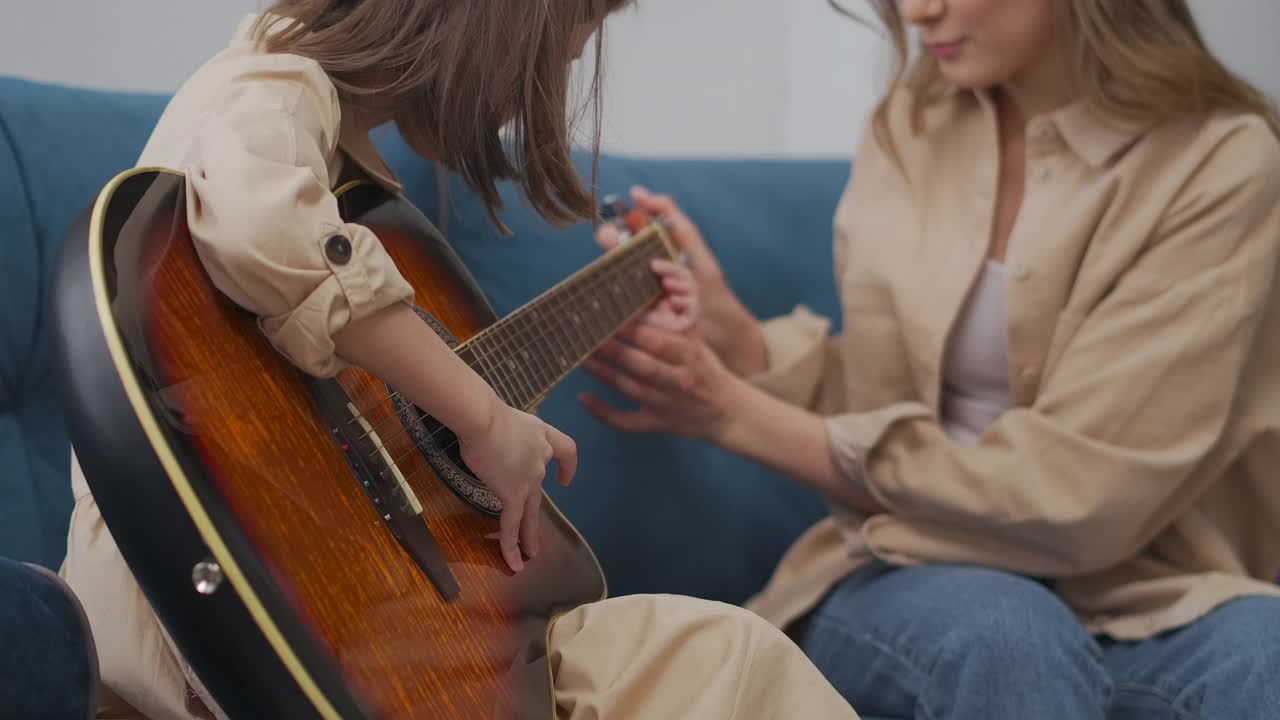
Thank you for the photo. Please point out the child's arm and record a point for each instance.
(268, 230)
(506, 448)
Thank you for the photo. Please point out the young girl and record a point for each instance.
(262, 133)
(1050, 429)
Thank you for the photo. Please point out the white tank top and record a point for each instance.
(975, 373)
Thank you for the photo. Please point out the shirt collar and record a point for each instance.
(1095, 138)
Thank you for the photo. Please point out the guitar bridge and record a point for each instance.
(405, 492)
(384, 485)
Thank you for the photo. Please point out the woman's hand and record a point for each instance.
(510, 456)
(664, 366)
(680, 384)
(725, 323)
(683, 389)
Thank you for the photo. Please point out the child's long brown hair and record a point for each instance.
(453, 74)
(1139, 61)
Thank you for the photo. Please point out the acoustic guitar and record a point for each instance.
(316, 547)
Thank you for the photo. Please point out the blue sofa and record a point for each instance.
(664, 515)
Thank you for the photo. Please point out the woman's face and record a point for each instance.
(985, 43)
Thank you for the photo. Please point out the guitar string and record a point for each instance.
(416, 446)
(612, 271)
(622, 258)
(428, 466)
(565, 370)
(608, 272)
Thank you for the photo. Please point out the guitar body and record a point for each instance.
(278, 539)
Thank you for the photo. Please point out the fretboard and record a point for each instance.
(524, 355)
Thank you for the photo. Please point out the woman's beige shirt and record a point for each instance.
(1139, 469)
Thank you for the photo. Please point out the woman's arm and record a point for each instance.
(1140, 396)
(791, 440)
(685, 390)
(1096, 467)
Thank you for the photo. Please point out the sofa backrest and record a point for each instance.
(57, 148)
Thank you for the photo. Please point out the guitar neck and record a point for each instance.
(526, 354)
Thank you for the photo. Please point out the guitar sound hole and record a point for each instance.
(440, 447)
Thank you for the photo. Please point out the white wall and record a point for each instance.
(118, 44)
(696, 77)
(836, 69)
(710, 77)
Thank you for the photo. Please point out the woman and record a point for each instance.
(1050, 427)
(263, 132)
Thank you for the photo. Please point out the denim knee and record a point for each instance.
(953, 636)
(1237, 656)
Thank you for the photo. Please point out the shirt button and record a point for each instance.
(338, 250)
(1027, 372)
(1021, 272)
(1043, 174)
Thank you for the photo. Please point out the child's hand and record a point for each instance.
(510, 457)
(678, 309)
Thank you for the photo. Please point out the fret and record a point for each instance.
(536, 345)
(568, 316)
(623, 289)
(493, 359)
(567, 306)
(511, 336)
(570, 309)
(615, 307)
(468, 356)
(609, 309)
(641, 270)
(559, 358)
(526, 354)
(517, 364)
(532, 350)
(593, 313)
(482, 366)
(640, 283)
(539, 348)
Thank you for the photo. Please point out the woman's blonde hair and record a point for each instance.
(453, 74)
(1135, 61)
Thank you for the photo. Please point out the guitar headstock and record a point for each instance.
(616, 211)
(632, 222)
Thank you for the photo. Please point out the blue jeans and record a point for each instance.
(48, 667)
(967, 643)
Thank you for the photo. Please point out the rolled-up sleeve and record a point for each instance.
(266, 224)
(804, 367)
